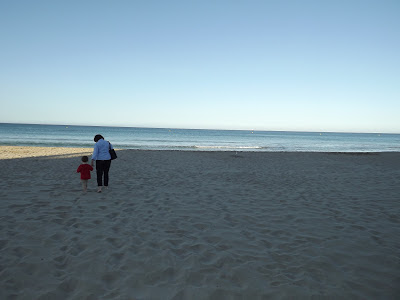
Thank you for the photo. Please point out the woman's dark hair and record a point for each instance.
(98, 137)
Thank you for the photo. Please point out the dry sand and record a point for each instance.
(200, 225)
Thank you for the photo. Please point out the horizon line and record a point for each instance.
(182, 128)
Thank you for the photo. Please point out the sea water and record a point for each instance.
(196, 139)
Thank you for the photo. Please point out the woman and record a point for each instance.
(102, 157)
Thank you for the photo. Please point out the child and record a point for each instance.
(84, 169)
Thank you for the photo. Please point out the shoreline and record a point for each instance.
(13, 152)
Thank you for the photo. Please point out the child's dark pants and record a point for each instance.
(102, 168)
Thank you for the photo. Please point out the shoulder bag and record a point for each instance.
(112, 152)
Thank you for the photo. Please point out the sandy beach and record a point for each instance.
(200, 225)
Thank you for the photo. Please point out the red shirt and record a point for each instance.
(85, 169)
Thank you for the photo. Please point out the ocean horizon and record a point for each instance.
(144, 138)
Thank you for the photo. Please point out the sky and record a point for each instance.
(252, 64)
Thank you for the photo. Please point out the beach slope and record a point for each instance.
(200, 225)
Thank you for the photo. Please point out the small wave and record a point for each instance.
(227, 147)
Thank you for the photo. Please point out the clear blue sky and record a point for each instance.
(267, 65)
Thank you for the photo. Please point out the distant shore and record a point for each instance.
(10, 152)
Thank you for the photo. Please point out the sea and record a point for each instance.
(196, 139)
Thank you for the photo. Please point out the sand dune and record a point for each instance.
(201, 225)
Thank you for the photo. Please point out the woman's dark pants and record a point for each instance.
(102, 168)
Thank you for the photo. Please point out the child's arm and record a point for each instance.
(94, 155)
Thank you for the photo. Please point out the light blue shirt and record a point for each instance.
(101, 150)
